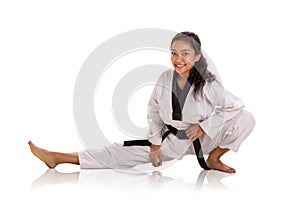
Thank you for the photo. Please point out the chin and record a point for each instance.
(180, 71)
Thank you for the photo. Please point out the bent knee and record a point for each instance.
(248, 119)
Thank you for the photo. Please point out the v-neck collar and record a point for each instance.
(178, 98)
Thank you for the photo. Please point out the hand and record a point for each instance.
(156, 156)
(194, 132)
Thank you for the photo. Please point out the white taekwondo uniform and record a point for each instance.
(219, 113)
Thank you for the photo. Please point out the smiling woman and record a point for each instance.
(187, 59)
(183, 57)
(188, 102)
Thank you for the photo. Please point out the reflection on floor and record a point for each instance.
(122, 181)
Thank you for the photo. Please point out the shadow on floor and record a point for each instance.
(122, 181)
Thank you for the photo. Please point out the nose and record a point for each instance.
(178, 58)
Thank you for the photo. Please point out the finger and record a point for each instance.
(153, 160)
(157, 160)
(158, 163)
(194, 138)
(189, 133)
(160, 159)
(155, 163)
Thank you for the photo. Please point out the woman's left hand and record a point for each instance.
(194, 132)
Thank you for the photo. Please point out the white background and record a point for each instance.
(254, 45)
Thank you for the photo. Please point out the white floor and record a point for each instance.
(184, 179)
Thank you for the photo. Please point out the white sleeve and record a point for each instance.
(225, 106)
(156, 124)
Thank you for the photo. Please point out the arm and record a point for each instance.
(156, 125)
(225, 107)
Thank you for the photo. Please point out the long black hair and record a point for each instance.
(199, 73)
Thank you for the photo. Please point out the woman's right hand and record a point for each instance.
(156, 156)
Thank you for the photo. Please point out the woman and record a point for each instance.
(188, 100)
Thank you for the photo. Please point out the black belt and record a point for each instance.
(181, 135)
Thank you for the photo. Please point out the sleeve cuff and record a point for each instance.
(205, 125)
(155, 139)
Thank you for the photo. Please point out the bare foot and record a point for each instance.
(46, 156)
(218, 165)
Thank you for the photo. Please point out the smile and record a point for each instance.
(180, 65)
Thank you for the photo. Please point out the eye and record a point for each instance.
(173, 53)
(185, 54)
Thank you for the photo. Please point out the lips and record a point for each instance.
(180, 65)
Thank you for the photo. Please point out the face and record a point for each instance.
(183, 57)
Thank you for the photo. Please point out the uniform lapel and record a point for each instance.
(178, 98)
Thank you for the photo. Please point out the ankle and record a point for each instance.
(216, 154)
(213, 158)
(56, 158)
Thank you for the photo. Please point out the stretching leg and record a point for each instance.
(52, 159)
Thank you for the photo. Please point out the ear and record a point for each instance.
(197, 57)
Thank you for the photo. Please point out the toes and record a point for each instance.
(218, 165)
(229, 169)
(232, 171)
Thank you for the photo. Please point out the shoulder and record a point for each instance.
(166, 76)
(213, 85)
(213, 90)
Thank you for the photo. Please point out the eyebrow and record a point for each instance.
(181, 50)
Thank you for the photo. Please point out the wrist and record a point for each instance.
(155, 147)
(200, 130)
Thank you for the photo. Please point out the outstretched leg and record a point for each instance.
(213, 161)
(52, 159)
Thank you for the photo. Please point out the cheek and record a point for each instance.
(189, 61)
(173, 59)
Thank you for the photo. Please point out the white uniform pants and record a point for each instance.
(118, 156)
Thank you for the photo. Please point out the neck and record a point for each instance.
(184, 75)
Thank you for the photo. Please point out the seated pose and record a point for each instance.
(189, 112)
